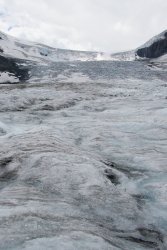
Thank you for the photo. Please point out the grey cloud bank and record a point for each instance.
(107, 25)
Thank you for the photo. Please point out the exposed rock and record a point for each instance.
(154, 50)
(10, 65)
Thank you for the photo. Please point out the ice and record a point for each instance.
(76, 240)
(83, 158)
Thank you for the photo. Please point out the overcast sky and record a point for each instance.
(104, 25)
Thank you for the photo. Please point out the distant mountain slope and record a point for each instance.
(155, 47)
(13, 47)
(124, 56)
(16, 56)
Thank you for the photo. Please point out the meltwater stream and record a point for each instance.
(83, 158)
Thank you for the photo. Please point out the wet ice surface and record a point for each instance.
(83, 158)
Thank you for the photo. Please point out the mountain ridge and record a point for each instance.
(16, 55)
(155, 47)
(21, 49)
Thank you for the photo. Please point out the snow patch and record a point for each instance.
(6, 77)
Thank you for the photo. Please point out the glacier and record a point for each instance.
(83, 156)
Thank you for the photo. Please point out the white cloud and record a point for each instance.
(107, 25)
(122, 27)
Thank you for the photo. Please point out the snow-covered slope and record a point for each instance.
(161, 58)
(13, 47)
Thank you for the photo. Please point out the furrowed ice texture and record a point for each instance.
(83, 150)
(83, 158)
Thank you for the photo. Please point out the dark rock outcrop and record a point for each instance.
(156, 49)
(10, 65)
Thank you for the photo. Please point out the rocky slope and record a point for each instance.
(155, 47)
